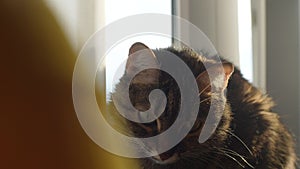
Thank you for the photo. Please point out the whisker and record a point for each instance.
(204, 100)
(231, 157)
(203, 90)
(231, 151)
(240, 140)
(234, 160)
(237, 154)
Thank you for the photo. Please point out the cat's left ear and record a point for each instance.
(140, 58)
(217, 77)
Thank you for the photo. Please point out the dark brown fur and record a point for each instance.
(249, 135)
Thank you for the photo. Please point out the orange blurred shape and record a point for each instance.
(38, 124)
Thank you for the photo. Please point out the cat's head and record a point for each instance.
(147, 80)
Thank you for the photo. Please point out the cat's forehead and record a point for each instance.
(143, 86)
(197, 62)
(163, 80)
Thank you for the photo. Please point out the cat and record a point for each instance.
(249, 135)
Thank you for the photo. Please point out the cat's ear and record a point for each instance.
(142, 59)
(217, 77)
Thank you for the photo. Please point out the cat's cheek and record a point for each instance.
(187, 144)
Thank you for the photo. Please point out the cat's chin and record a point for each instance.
(174, 158)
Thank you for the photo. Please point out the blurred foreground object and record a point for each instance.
(38, 126)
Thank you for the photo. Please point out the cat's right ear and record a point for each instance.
(140, 58)
(216, 76)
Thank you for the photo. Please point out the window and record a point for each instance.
(116, 9)
(245, 39)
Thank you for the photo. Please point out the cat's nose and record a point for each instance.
(165, 156)
(168, 154)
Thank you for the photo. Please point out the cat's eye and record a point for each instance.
(143, 116)
(148, 127)
(151, 125)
